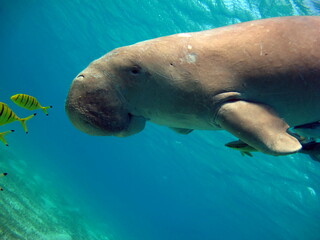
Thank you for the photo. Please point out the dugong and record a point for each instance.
(252, 79)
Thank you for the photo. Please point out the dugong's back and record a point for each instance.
(274, 61)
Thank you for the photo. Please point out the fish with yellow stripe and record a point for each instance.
(8, 116)
(28, 102)
(2, 175)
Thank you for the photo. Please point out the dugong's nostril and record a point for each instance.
(80, 76)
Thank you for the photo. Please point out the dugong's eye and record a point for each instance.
(135, 70)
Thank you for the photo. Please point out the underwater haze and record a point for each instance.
(156, 185)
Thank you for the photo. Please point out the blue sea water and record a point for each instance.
(63, 184)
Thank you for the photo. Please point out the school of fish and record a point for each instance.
(7, 115)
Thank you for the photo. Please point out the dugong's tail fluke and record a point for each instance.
(23, 122)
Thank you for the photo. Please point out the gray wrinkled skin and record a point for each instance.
(208, 80)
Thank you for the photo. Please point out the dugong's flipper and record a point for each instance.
(257, 125)
(182, 130)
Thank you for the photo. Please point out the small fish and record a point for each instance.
(28, 102)
(2, 136)
(8, 116)
(311, 148)
(2, 175)
(309, 130)
(244, 148)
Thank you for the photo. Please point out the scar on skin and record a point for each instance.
(184, 35)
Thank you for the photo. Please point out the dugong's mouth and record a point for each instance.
(100, 111)
(105, 122)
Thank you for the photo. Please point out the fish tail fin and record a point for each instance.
(44, 109)
(3, 174)
(2, 139)
(248, 154)
(23, 122)
(244, 153)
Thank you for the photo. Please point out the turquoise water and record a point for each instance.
(63, 184)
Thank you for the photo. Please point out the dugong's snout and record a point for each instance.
(95, 108)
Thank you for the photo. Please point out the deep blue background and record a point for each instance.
(157, 184)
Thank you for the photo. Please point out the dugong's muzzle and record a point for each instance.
(96, 108)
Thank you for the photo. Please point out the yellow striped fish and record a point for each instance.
(2, 175)
(8, 116)
(28, 102)
(2, 136)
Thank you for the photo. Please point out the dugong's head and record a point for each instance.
(117, 93)
(99, 101)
